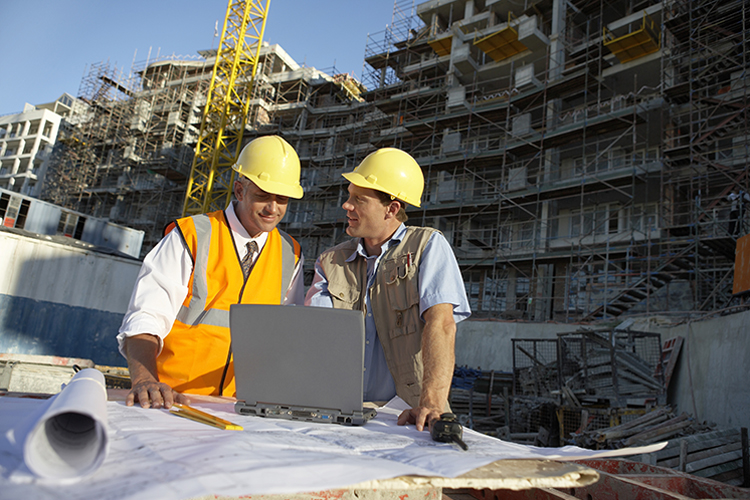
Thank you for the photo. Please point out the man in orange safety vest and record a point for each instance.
(175, 334)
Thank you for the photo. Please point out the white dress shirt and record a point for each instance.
(162, 283)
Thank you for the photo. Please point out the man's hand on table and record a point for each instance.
(153, 394)
(141, 351)
(421, 416)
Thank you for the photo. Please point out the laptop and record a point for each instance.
(299, 363)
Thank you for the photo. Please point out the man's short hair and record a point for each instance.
(386, 200)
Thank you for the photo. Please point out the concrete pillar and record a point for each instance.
(434, 24)
(510, 295)
(557, 51)
(543, 293)
(543, 226)
(469, 9)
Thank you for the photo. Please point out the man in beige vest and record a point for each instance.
(406, 281)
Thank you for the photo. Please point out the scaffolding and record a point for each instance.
(578, 164)
(578, 154)
(130, 153)
(139, 134)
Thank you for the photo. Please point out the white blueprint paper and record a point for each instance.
(154, 454)
(66, 437)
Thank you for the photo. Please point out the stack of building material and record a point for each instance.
(36, 374)
(720, 455)
(693, 447)
(480, 399)
(476, 411)
(617, 366)
(654, 426)
(535, 367)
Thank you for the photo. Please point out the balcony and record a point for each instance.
(634, 45)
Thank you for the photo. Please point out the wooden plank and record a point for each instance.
(643, 419)
(660, 430)
(694, 442)
(702, 454)
(682, 460)
(698, 446)
(718, 469)
(745, 457)
(731, 456)
(670, 353)
(615, 433)
(733, 477)
(634, 363)
(651, 385)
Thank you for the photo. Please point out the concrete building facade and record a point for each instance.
(577, 154)
(27, 140)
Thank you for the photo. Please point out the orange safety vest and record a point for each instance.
(196, 356)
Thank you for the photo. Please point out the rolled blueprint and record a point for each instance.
(69, 438)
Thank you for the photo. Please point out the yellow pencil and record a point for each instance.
(186, 411)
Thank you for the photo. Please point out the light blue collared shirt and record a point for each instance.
(440, 282)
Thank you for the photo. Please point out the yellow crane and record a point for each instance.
(227, 104)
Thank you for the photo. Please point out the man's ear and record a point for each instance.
(239, 190)
(393, 209)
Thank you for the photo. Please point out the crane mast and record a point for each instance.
(227, 104)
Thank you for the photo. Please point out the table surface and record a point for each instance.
(502, 474)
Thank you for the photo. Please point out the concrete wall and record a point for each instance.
(61, 300)
(487, 344)
(710, 381)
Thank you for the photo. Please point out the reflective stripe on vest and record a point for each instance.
(287, 255)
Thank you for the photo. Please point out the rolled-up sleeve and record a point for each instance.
(440, 280)
(159, 291)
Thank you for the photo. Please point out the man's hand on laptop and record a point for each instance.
(421, 416)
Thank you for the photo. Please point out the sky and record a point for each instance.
(46, 46)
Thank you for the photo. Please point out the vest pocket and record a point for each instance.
(401, 282)
(343, 297)
(402, 290)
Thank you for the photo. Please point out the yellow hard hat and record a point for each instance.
(272, 164)
(391, 171)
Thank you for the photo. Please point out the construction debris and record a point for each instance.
(480, 399)
(693, 447)
(38, 374)
(655, 426)
(720, 455)
(618, 366)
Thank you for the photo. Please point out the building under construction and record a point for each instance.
(581, 156)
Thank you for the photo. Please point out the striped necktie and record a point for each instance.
(247, 260)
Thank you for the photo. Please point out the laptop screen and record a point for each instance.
(298, 356)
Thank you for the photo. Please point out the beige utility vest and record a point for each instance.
(394, 298)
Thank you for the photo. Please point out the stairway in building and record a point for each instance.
(680, 265)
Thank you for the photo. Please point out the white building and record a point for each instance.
(26, 142)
